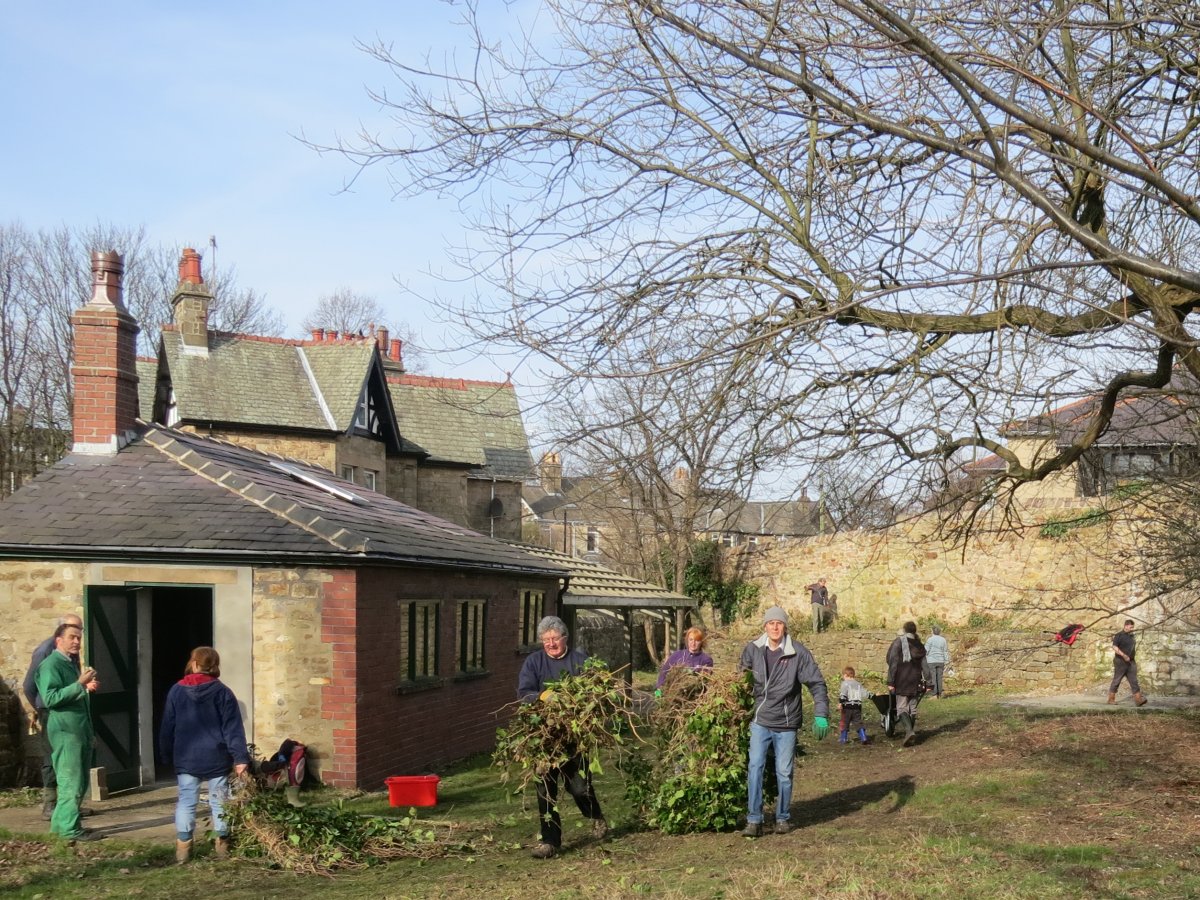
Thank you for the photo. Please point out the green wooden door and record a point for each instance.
(112, 650)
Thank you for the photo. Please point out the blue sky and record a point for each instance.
(184, 119)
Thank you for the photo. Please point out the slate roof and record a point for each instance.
(787, 517)
(1138, 420)
(474, 423)
(176, 495)
(594, 585)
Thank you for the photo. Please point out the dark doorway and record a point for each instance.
(181, 620)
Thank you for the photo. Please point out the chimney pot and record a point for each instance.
(332, 335)
(318, 334)
(108, 270)
(189, 267)
(381, 340)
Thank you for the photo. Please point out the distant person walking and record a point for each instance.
(905, 658)
(850, 701)
(819, 597)
(1124, 667)
(937, 657)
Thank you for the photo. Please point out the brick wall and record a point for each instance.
(409, 731)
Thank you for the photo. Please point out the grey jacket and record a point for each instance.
(777, 702)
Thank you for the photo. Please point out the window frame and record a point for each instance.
(419, 654)
(470, 637)
(526, 623)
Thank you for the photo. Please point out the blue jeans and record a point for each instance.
(784, 743)
(189, 795)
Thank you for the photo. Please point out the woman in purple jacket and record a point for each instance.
(691, 656)
(203, 738)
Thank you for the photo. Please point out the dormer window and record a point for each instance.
(366, 418)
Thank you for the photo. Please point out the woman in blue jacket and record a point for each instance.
(203, 738)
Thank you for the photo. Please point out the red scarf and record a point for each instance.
(196, 678)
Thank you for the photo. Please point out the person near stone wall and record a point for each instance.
(41, 716)
(780, 668)
(819, 597)
(905, 659)
(536, 680)
(1124, 667)
(67, 691)
(937, 657)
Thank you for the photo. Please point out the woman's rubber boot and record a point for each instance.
(862, 735)
(909, 734)
(1139, 699)
(292, 793)
(221, 847)
(842, 736)
(49, 801)
(183, 851)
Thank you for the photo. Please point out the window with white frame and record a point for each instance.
(368, 478)
(593, 540)
(418, 640)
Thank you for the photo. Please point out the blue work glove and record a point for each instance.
(820, 727)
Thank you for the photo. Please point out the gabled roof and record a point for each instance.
(176, 495)
(776, 517)
(474, 423)
(594, 585)
(1141, 418)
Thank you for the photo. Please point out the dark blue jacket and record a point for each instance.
(202, 733)
(539, 670)
(777, 703)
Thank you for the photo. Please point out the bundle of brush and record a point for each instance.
(580, 714)
(320, 840)
(692, 776)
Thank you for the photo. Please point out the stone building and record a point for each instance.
(452, 447)
(386, 638)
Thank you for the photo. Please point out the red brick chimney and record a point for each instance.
(105, 366)
(190, 304)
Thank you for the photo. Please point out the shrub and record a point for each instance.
(692, 774)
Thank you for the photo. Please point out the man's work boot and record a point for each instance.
(1112, 697)
(221, 847)
(1139, 699)
(600, 828)
(752, 829)
(183, 851)
(49, 801)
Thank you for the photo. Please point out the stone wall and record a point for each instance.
(1014, 579)
(908, 572)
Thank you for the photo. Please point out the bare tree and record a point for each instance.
(349, 312)
(668, 457)
(920, 221)
(44, 277)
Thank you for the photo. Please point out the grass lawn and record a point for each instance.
(992, 802)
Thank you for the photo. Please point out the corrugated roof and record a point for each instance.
(176, 494)
(595, 585)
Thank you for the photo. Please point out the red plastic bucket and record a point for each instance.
(412, 790)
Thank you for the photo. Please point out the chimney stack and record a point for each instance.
(104, 416)
(190, 304)
(550, 472)
(381, 340)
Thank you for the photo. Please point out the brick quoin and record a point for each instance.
(339, 616)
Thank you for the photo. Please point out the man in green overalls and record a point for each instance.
(65, 692)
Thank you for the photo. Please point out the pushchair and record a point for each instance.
(886, 704)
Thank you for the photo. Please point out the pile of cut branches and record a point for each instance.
(320, 840)
(692, 776)
(578, 714)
